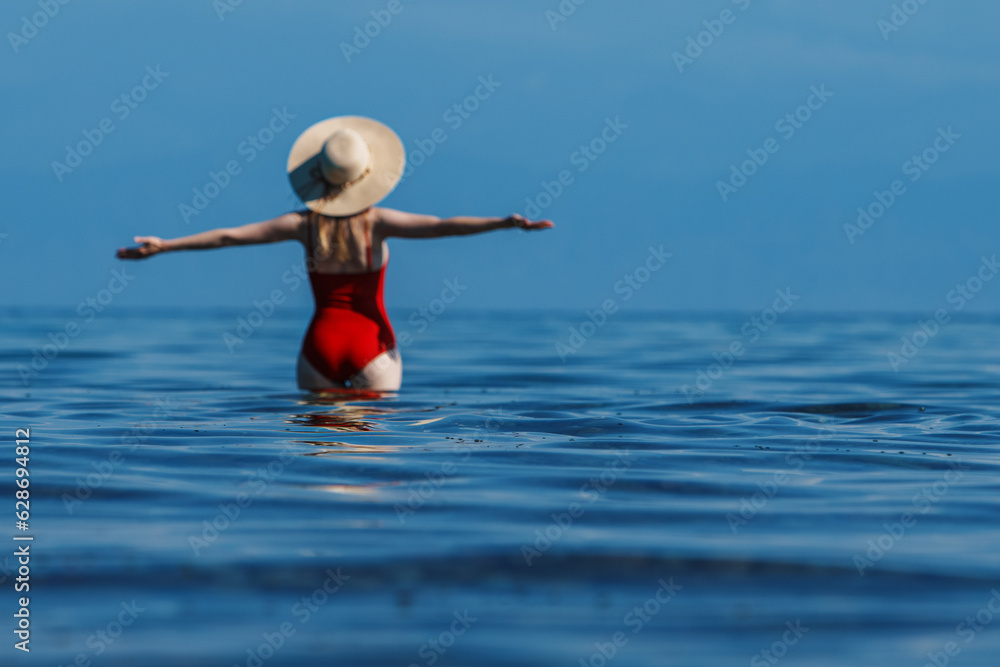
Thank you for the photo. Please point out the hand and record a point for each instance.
(151, 245)
(523, 223)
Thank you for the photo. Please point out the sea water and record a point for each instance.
(658, 489)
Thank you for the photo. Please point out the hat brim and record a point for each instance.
(385, 172)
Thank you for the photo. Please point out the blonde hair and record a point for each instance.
(340, 237)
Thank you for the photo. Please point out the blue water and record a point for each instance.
(505, 507)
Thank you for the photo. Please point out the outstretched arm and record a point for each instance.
(287, 227)
(389, 223)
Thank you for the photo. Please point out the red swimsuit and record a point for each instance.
(350, 327)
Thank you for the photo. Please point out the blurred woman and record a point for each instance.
(341, 167)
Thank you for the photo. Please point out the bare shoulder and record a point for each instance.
(292, 225)
(388, 215)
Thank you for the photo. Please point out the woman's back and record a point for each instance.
(344, 245)
(350, 327)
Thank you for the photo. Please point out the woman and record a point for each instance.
(341, 167)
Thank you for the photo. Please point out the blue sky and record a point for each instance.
(888, 95)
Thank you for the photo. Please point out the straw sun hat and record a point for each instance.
(341, 166)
